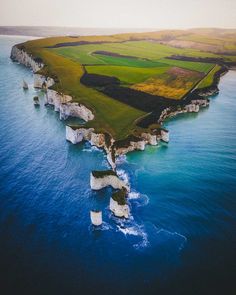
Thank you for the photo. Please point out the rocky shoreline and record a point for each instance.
(66, 107)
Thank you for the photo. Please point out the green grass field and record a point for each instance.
(150, 70)
(141, 49)
(127, 75)
(194, 66)
(129, 62)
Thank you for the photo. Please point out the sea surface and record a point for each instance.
(181, 238)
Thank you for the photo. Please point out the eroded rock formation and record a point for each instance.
(101, 179)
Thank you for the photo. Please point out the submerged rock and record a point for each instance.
(25, 85)
(36, 101)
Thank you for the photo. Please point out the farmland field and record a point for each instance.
(123, 77)
(174, 83)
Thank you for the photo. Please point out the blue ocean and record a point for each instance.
(181, 237)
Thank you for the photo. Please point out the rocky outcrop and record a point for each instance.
(78, 135)
(42, 82)
(63, 104)
(75, 109)
(97, 139)
(52, 97)
(133, 145)
(118, 203)
(101, 179)
(165, 135)
(151, 139)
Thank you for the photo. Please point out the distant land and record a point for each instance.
(45, 31)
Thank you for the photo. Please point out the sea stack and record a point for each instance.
(165, 135)
(118, 204)
(96, 217)
(36, 101)
(25, 85)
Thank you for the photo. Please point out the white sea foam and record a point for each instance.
(138, 199)
(105, 164)
(104, 226)
(121, 159)
(131, 228)
(174, 235)
(123, 175)
(90, 148)
(134, 195)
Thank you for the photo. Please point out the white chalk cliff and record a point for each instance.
(62, 103)
(193, 107)
(78, 135)
(96, 217)
(24, 58)
(42, 82)
(165, 135)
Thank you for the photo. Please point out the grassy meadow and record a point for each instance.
(208, 79)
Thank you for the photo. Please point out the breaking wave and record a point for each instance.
(104, 226)
(132, 229)
(138, 199)
(121, 159)
(90, 149)
(123, 175)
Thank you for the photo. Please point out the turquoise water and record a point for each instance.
(181, 236)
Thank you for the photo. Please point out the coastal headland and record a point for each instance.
(124, 86)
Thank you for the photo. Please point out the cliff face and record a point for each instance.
(78, 135)
(24, 58)
(133, 145)
(42, 82)
(151, 139)
(192, 107)
(62, 103)
(98, 139)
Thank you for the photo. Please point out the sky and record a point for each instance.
(119, 13)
